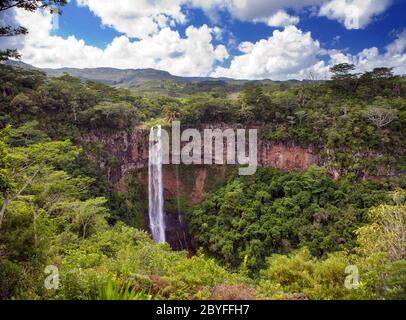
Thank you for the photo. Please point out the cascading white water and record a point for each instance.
(155, 186)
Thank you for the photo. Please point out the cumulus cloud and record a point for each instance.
(394, 56)
(282, 19)
(138, 19)
(399, 45)
(257, 10)
(293, 54)
(167, 50)
(143, 18)
(354, 14)
(246, 47)
(285, 55)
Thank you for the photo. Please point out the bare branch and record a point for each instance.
(8, 198)
(381, 117)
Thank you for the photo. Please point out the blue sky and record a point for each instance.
(250, 39)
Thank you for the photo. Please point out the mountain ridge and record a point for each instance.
(162, 73)
(151, 80)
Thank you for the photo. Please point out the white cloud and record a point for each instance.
(167, 50)
(399, 45)
(136, 19)
(371, 58)
(246, 47)
(293, 54)
(285, 55)
(354, 14)
(394, 56)
(143, 18)
(218, 33)
(282, 19)
(257, 10)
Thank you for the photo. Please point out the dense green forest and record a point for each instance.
(274, 235)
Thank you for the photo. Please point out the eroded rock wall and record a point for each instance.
(129, 151)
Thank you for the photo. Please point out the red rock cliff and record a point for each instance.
(130, 152)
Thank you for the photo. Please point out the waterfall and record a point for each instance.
(155, 186)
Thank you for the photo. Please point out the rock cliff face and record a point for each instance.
(129, 150)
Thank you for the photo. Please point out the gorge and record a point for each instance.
(182, 186)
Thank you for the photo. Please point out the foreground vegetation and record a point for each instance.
(275, 235)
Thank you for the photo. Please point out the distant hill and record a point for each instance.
(115, 77)
(20, 64)
(151, 80)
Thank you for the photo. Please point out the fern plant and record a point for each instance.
(114, 292)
